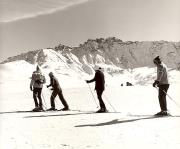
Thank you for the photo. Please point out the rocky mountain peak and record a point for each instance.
(110, 52)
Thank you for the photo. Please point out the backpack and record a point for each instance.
(38, 77)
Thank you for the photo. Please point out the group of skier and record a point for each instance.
(38, 80)
(36, 85)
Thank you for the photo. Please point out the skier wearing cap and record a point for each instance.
(36, 85)
(56, 91)
(99, 87)
(163, 84)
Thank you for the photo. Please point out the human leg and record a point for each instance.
(35, 97)
(61, 97)
(101, 102)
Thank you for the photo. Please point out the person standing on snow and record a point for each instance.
(99, 87)
(36, 85)
(56, 91)
(163, 84)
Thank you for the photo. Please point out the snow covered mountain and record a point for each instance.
(110, 51)
(128, 54)
(130, 108)
(113, 55)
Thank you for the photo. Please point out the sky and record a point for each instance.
(27, 25)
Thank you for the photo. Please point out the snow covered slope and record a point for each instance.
(129, 123)
(131, 126)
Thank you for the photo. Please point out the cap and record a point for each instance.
(97, 67)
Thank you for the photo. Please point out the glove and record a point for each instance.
(156, 83)
(31, 88)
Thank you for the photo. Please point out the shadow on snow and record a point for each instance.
(11, 112)
(116, 121)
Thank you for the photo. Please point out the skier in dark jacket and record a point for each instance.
(36, 85)
(56, 91)
(163, 84)
(99, 87)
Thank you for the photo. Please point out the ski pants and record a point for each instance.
(37, 94)
(162, 96)
(101, 102)
(61, 97)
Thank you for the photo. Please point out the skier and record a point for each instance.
(99, 87)
(56, 91)
(36, 85)
(163, 84)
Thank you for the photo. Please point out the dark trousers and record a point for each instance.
(61, 97)
(101, 102)
(37, 94)
(162, 96)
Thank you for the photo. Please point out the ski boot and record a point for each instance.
(162, 113)
(52, 109)
(38, 109)
(102, 110)
(65, 109)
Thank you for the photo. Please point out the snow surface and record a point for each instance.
(128, 125)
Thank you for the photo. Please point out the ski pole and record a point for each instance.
(110, 103)
(170, 97)
(45, 106)
(93, 96)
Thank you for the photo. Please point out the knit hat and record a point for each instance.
(37, 68)
(157, 59)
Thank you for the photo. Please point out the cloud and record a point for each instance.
(12, 10)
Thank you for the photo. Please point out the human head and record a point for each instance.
(157, 60)
(96, 68)
(51, 74)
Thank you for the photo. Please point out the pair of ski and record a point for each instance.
(56, 110)
(52, 110)
(85, 112)
(155, 115)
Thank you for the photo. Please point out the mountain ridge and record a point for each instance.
(109, 51)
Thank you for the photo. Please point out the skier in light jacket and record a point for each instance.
(163, 83)
(36, 85)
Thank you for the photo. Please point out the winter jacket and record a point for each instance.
(54, 83)
(99, 80)
(162, 74)
(37, 80)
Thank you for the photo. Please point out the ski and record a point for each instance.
(56, 110)
(156, 116)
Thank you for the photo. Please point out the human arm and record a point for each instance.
(160, 73)
(32, 83)
(51, 82)
(92, 80)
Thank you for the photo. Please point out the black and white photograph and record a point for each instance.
(89, 74)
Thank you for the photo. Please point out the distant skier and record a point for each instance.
(163, 84)
(36, 85)
(56, 91)
(99, 87)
